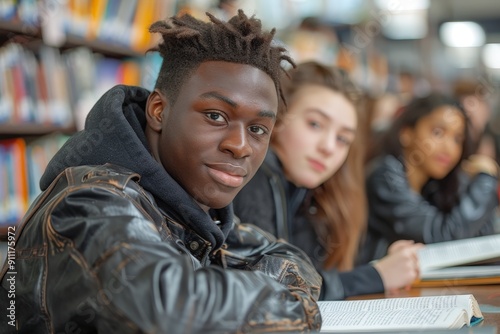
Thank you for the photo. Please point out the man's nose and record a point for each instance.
(236, 141)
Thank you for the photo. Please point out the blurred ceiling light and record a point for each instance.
(299, 8)
(463, 57)
(491, 55)
(343, 11)
(405, 19)
(406, 25)
(402, 5)
(462, 34)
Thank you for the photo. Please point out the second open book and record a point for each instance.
(457, 262)
(397, 314)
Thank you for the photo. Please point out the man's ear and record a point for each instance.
(155, 107)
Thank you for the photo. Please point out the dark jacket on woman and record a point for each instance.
(115, 245)
(396, 212)
(277, 206)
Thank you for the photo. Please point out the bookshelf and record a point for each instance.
(32, 129)
(56, 60)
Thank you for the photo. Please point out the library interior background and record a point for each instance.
(58, 56)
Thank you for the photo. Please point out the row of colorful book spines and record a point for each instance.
(21, 166)
(14, 189)
(124, 22)
(26, 11)
(25, 81)
(44, 96)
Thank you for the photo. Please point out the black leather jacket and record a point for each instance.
(277, 206)
(125, 249)
(396, 212)
(96, 254)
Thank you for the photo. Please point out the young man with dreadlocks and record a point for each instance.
(134, 231)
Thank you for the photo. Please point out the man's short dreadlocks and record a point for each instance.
(187, 42)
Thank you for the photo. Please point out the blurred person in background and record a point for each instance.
(474, 96)
(425, 186)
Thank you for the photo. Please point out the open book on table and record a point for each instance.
(397, 314)
(466, 261)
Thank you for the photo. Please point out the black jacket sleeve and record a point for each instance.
(361, 280)
(397, 212)
(250, 248)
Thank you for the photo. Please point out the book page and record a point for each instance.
(456, 252)
(462, 272)
(395, 313)
(383, 320)
(412, 303)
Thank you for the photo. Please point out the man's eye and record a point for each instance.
(216, 117)
(257, 130)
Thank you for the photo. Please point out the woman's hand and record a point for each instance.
(400, 268)
(399, 245)
(478, 163)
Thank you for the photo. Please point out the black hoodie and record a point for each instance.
(114, 133)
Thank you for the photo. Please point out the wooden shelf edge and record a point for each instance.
(32, 129)
(18, 27)
(105, 47)
(110, 48)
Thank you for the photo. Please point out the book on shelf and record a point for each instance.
(21, 166)
(13, 187)
(25, 12)
(115, 22)
(400, 314)
(33, 90)
(470, 261)
(38, 154)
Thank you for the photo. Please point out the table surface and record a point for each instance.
(488, 297)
